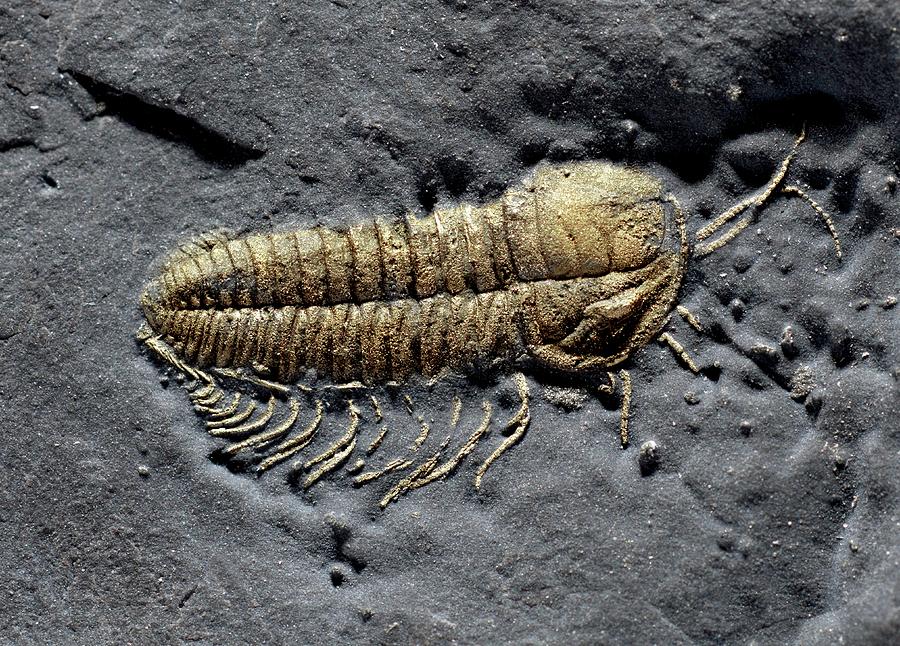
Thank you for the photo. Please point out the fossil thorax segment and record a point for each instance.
(462, 287)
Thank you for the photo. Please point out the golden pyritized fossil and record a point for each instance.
(569, 273)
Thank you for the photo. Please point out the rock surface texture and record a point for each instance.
(765, 505)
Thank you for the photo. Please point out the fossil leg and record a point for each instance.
(518, 423)
(751, 202)
(226, 411)
(442, 374)
(330, 465)
(379, 418)
(210, 410)
(796, 190)
(397, 464)
(348, 438)
(558, 359)
(205, 402)
(423, 433)
(357, 466)
(165, 353)
(349, 386)
(262, 438)
(257, 424)
(377, 441)
(272, 386)
(555, 358)
(376, 407)
(457, 411)
(450, 465)
(234, 420)
(610, 387)
(406, 483)
(625, 376)
(408, 402)
(294, 445)
(429, 471)
(202, 393)
(679, 351)
(688, 316)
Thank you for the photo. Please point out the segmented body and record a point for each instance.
(466, 288)
(573, 271)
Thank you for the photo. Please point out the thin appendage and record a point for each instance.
(376, 408)
(234, 420)
(758, 201)
(688, 316)
(725, 238)
(450, 465)
(419, 472)
(226, 411)
(518, 422)
(441, 374)
(424, 430)
(330, 465)
(208, 410)
(165, 353)
(610, 387)
(681, 222)
(268, 436)
(350, 385)
(357, 466)
(206, 402)
(347, 438)
(799, 192)
(558, 359)
(753, 201)
(296, 444)
(457, 411)
(201, 393)
(377, 442)
(230, 373)
(679, 351)
(625, 376)
(257, 424)
(397, 464)
(684, 251)
(408, 402)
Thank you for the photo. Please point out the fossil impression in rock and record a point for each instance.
(568, 274)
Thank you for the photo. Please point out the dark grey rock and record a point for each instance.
(126, 128)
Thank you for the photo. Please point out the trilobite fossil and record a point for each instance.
(569, 273)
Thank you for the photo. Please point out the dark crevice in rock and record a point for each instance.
(15, 144)
(165, 123)
(187, 596)
(49, 180)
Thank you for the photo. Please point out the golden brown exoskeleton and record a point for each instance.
(573, 270)
(570, 272)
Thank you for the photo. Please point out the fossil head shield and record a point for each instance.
(606, 252)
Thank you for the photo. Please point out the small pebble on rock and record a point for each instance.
(648, 457)
(788, 347)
